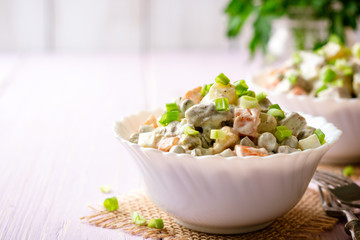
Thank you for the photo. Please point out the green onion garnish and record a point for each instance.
(105, 188)
(222, 104)
(348, 171)
(156, 223)
(276, 112)
(261, 96)
(111, 204)
(328, 75)
(248, 102)
(296, 58)
(172, 107)
(322, 88)
(320, 135)
(282, 132)
(276, 106)
(241, 88)
(205, 89)
(355, 50)
(190, 131)
(335, 39)
(137, 219)
(344, 67)
(292, 79)
(222, 79)
(338, 83)
(168, 117)
(217, 134)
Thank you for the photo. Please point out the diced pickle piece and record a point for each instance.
(177, 149)
(268, 123)
(243, 151)
(294, 122)
(247, 142)
(189, 142)
(291, 141)
(310, 142)
(196, 152)
(286, 149)
(134, 138)
(268, 141)
(305, 132)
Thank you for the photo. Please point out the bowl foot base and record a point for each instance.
(224, 230)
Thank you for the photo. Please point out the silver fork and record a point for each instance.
(334, 208)
(343, 188)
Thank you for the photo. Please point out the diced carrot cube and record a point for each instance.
(194, 95)
(243, 151)
(298, 91)
(166, 144)
(246, 121)
(151, 121)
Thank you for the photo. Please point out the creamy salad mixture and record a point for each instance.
(227, 119)
(332, 71)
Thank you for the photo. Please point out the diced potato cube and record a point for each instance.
(243, 151)
(230, 140)
(218, 90)
(227, 153)
(147, 139)
(310, 142)
(246, 121)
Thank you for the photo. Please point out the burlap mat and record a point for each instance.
(305, 221)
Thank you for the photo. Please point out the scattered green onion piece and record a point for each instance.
(344, 67)
(320, 135)
(322, 88)
(241, 88)
(261, 96)
(338, 83)
(282, 132)
(172, 107)
(276, 112)
(248, 102)
(205, 89)
(111, 204)
(217, 134)
(168, 117)
(156, 223)
(335, 39)
(222, 79)
(328, 75)
(190, 131)
(222, 104)
(105, 188)
(348, 171)
(137, 219)
(296, 58)
(355, 50)
(275, 106)
(292, 79)
(250, 93)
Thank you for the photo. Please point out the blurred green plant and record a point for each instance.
(339, 14)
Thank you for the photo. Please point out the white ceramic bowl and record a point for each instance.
(224, 195)
(343, 113)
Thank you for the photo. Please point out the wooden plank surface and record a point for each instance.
(56, 142)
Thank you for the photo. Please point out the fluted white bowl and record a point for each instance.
(343, 113)
(224, 195)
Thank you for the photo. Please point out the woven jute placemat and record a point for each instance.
(305, 221)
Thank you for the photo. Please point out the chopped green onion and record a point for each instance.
(168, 117)
(344, 67)
(222, 104)
(296, 58)
(328, 75)
(320, 135)
(335, 39)
(172, 107)
(241, 88)
(275, 106)
(205, 89)
(261, 96)
(355, 50)
(137, 219)
(322, 88)
(156, 223)
(190, 131)
(282, 132)
(105, 188)
(217, 134)
(348, 171)
(276, 112)
(292, 79)
(338, 83)
(248, 102)
(111, 204)
(222, 79)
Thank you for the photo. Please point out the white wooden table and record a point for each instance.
(56, 142)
